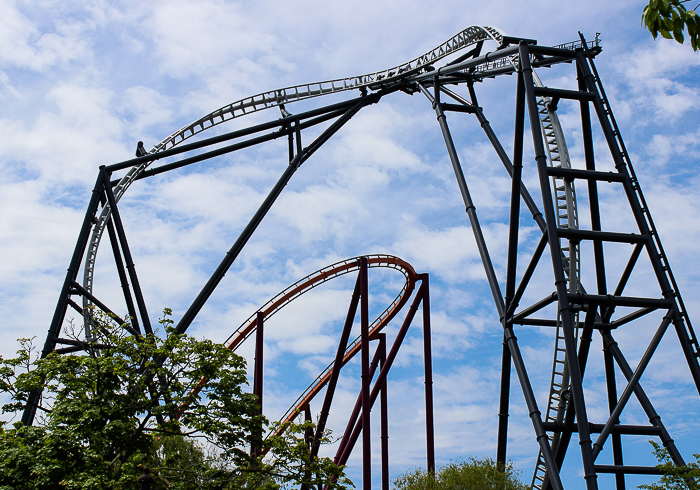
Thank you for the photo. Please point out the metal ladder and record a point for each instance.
(645, 209)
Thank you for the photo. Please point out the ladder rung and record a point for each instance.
(605, 236)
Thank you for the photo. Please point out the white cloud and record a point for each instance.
(655, 78)
(24, 45)
(82, 84)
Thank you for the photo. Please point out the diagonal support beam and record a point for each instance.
(130, 267)
(335, 371)
(466, 197)
(63, 298)
(262, 211)
(122, 276)
(655, 419)
(629, 389)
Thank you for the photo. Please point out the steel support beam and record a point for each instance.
(64, 296)
(428, 361)
(130, 267)
(364, 361)
(384, 401)
(262, 211)
(514, 227)
(559, 275)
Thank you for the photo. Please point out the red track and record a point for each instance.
(311, 281)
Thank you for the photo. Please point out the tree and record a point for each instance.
(111, 412)
(674, 477)
(473, 474)
(670, 18)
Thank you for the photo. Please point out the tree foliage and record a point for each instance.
(670, 18)
(674, 477)
(107, 414)
(473, 474)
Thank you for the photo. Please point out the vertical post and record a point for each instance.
(590, 475)
(612, 402)
(511, 267)
(309, 441)
(258, 374)
(384, 416)
(427, 356)
(290, 144)
(366, 405)
(308, 433)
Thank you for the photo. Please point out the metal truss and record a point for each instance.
(568, 308)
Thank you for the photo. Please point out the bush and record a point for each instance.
(473, 474)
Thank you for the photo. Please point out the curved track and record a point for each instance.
(556, 152)
(312, 281)
(559, 225)
(372, 81)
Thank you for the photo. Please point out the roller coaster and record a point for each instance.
(446, 77)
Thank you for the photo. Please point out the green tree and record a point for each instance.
(670, 18)
(674, 477)
(473, 474)
(130, 404)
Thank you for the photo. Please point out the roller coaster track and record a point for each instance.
(420, 66)
(557, 156)
(312, 281)
(308, 283)
(277, 98)
(457, 61)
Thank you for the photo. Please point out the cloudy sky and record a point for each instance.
(81, 83)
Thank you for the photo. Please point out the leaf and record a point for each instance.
(678, 35)
(665, 34)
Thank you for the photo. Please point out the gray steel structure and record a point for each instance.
(566, 412)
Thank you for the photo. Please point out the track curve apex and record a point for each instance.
(463, 39)
(310, 282)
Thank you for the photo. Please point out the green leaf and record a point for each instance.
(678, 36)
(678, 24)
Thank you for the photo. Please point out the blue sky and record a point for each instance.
(81, 84)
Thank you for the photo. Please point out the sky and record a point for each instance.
(82, 83)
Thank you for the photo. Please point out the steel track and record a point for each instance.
(312, 281)
(275, 98)
(422, 65)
